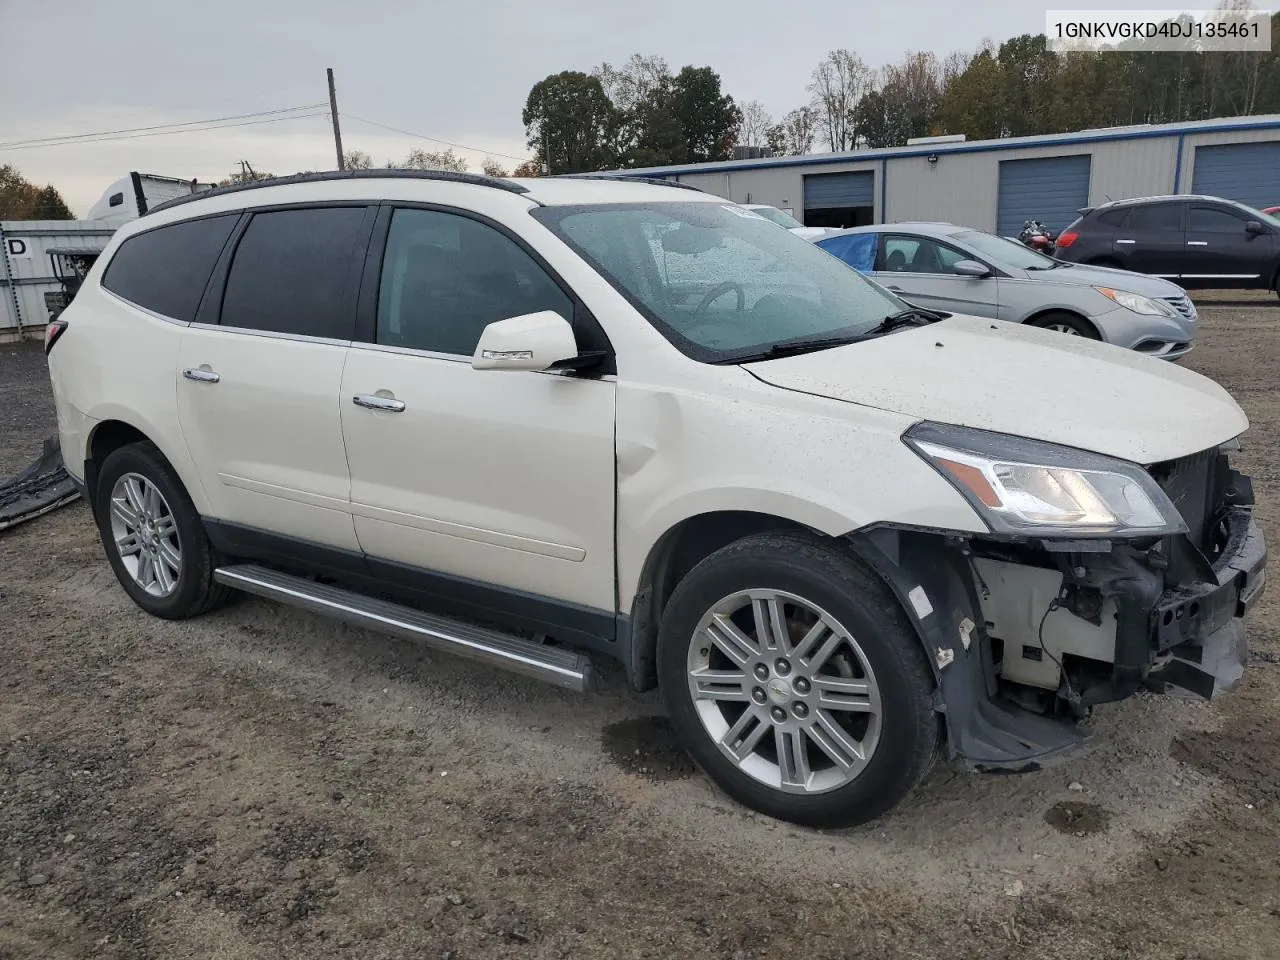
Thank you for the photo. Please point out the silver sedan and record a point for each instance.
(941, 266)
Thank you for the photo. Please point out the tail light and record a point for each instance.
(53, 332)
(1067, 238)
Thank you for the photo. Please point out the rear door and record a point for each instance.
(1150, 239)
(1219, 251)
(918, 269)
(259, 373)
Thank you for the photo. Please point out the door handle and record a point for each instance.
(1197, 243)
(388, 404)
(1126, 241)
(201, 376)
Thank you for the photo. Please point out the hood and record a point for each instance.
(1127, 280)
(813, 233)
(1024, 381)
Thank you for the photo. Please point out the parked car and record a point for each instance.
(958, 270)
(1198, 241)
(784, 219)
(536, 421)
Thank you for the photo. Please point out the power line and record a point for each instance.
(161, 133)
(77, 137)
(449, 143)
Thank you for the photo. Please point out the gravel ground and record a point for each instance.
(264, 783)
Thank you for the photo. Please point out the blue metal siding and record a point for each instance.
(1048, 189)
(1246, 172)
(824, 191)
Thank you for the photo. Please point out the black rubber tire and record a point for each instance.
(836, 580)
(197, 593)
(1081, 326)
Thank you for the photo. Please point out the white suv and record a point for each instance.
(536, 421)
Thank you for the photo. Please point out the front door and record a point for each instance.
(919, 270)
(258, 391)
(1219, 251)
(501, 481)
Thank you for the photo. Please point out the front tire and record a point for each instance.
(794, 679)
(1068, 323)
(153, 535)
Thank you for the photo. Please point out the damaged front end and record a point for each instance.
(1027, 632)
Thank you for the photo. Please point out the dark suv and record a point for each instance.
(1194, 241)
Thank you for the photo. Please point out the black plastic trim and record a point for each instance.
(568, 623)
(622, 177)
(139, 198)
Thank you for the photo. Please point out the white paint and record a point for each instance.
(920, 602)
(966, 632)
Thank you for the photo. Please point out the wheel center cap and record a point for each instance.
(779, 691)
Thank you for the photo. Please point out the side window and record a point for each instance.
(919, 255)
(1214, 220)
(1156, 218)
(290, 273)
(446, 277)
(1113, 218)
(166, 269)
(898, 253)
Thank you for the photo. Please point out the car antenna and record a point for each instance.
(1108, 196)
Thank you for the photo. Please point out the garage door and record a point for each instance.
(1247, 172)
(827, 191)
(1048, 189)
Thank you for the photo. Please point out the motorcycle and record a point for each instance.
(1038, 237)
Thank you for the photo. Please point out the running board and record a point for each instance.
(554, 665)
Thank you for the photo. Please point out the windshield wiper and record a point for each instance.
(910, 317)
(796, 347)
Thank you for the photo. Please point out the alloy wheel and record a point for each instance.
(784, 691)
(146, 534)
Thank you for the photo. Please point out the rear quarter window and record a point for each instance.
(1113, 218)
(165, 270)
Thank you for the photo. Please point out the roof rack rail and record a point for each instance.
(657, 181)
(474, 178)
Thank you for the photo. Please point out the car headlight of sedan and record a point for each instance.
(1029, 487)
(1138, 304)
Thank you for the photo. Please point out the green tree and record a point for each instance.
(972, 103)
(17, 194)
(571, 124)
(794, 136)
(49, 205)
(708, 119)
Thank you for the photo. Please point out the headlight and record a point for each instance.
(1029, 487)
(1143, 305)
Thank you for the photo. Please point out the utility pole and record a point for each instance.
(546, 152)
(333, 109)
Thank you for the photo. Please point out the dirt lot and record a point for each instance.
(262, 783)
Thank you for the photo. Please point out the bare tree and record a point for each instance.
(838, 83)
(492, 168)
(428, 160)
(357, 160)
(629, 85)
(794, 135)
(754, 128)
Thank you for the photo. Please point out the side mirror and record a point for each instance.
(971, 268)
(534, 341)
(1253, 228)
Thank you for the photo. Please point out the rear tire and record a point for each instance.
(829, 722)
(153, 535)
(1068, 323)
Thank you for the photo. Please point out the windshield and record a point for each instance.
(718, 281)
(777, 216)
(1006, 253)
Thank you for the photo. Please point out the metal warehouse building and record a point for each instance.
(995, 185)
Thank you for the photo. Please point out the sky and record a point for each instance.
(457, 71)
